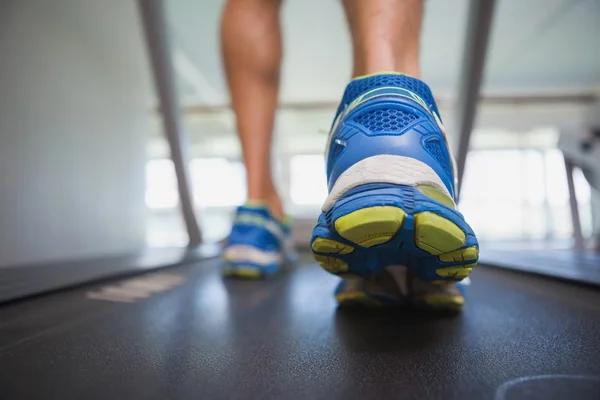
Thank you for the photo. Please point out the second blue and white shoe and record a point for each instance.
(259, 245)
(391, 180)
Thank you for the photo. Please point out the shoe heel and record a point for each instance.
(342, 242)
(394, 225)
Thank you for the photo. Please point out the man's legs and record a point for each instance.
(391, 202)
(385, 38)
(251, 47)
(385, 35)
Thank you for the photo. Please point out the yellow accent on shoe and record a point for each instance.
(243, 272)
(371, 226)
(324, 245)
(287, 220)
(442, 300)
(437, 195)
(331, 264)
(370, 95)
(458, 272)
(436, 234)
(467, 254)
(379, 73)
(256, 204)
(358, 297)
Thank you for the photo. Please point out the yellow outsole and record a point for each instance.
(371, 226)
(242, 272)
(458, 272)
(331, 264)
(352, 298)
(466, 254)
(436, 235)
(323, 245)
(440, 237)
(444, 301)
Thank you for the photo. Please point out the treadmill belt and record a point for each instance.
(184, 333)
(571, 264)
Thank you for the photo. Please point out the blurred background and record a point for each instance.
(85, 167)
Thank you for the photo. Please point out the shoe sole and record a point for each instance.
(440, 302)
(371, 228)
(378, 292)
(364, 299)
(433, 302)
(356, 294)
(248, 262)
(242, 271)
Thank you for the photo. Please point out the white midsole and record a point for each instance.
(242, 253)
(385, 168)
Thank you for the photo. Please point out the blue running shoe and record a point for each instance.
(391, 181)
(258, 245)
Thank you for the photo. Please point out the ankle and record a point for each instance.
(375, 68)
(275, 206)
(272, 202)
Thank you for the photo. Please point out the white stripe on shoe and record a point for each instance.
(249, 254)
(385, 168)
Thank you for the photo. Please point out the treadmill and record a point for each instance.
(163, 324)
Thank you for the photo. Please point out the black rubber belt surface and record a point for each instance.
(519, 337)
(569, 264)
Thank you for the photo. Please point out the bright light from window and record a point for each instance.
(556, 178)
(161, 184)
(308, 185)
(218, 182)
(519, 194)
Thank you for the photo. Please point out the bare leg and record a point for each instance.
(385, 35)
(251, 48)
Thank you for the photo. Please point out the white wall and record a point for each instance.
(73, 127)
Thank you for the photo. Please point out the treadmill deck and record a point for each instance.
(197, 336)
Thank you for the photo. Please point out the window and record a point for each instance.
(218, 182)
(521, 194)
(308, 184)
(164, 223)
(161, 185)
(508, 194)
